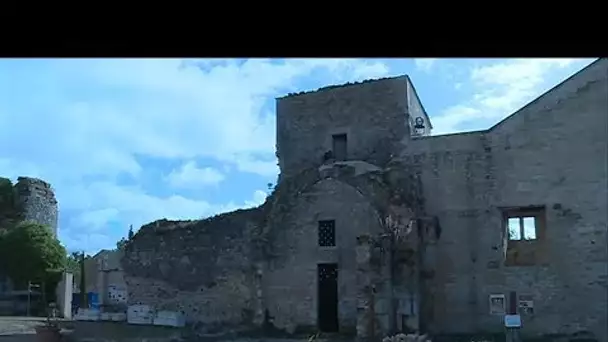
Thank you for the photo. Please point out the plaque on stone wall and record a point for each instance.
(497, 304)
(526, 305)
(419, 127)
(117, 294)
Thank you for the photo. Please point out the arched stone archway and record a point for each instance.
(290, 278)
(360, 202)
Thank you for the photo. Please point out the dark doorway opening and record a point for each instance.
(328, 297)
(339, 142)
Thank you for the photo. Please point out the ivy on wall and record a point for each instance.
(9, 212)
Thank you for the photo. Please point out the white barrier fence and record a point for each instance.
(136, 314)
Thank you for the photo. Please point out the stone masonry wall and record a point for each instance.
(373, 114)
(553, 152)
(203, 268)
(36, 200)
(290, 282)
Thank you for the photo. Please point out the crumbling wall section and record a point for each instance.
(205, 268)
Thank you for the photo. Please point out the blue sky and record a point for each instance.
(126, 141)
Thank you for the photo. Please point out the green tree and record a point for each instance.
(121, 243)
(30, 252)
(9, 213)
(73, 264)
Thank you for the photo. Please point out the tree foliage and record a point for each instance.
(9, 213)
(73, 264)
(120, 244)
(30, 252)
(6, 194)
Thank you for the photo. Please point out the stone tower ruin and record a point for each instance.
(36, 200)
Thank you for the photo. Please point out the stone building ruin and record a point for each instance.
(375, 226)
(32, 200)
(29, 199)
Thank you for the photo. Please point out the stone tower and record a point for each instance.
(37, 202)
(369, 121)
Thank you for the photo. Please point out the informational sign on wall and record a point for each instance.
(526, 305)
(512, 321)
(117, 294)
(497, 304)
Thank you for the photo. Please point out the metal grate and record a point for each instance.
(327, 233)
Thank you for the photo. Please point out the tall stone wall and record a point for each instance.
(206, 268)
(36, 201)
(552, 153)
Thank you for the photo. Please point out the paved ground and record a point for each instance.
(19, 325)
(22, 329)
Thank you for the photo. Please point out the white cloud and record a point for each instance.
(425, 64)
(95, 220)
(259, 197)
(133, 206)
(166, 109)
(501, 88)
(84, 124)
(189, 176)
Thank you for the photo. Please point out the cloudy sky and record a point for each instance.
(126, 142)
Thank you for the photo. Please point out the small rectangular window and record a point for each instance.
(521, 228)
(514, 229)
(327, 233)
(339, 146)
(524, 228)
(529, 228)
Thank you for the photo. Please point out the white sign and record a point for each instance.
(497, 304)
(512, 321)
(117, 294)
(526, 305)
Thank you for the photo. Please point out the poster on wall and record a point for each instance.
(419, 127)
(526, 305)
(497, 304)
(117, 294)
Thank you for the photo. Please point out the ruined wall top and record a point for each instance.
(330, 88)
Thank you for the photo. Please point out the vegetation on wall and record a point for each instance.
(29, 252)
(123, 241)
(9, 213)
(73, 264)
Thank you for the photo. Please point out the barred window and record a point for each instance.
(327, 233)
